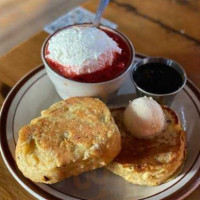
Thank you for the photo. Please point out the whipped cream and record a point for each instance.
(82, 50)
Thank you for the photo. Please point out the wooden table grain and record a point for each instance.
(168, 28)
(20, 19)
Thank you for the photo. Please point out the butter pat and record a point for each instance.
(144, 117)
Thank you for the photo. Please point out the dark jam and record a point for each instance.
(119, 65)
(157, 78)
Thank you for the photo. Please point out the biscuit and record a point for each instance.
(150, 161)
(70, 137)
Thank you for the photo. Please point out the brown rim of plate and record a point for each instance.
(181, 192)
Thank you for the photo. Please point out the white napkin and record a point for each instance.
(78, 15)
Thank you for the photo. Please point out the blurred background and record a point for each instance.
(20, 19)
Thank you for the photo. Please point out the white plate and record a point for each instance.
(35, 92)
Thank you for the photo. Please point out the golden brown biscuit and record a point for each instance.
(150, 161)
(71, 137)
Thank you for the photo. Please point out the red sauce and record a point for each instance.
(119, 65)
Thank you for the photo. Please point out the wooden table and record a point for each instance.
(38, 13)
(168, 28)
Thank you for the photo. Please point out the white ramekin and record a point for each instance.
(69, 88)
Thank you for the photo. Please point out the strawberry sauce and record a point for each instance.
(119, 65)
